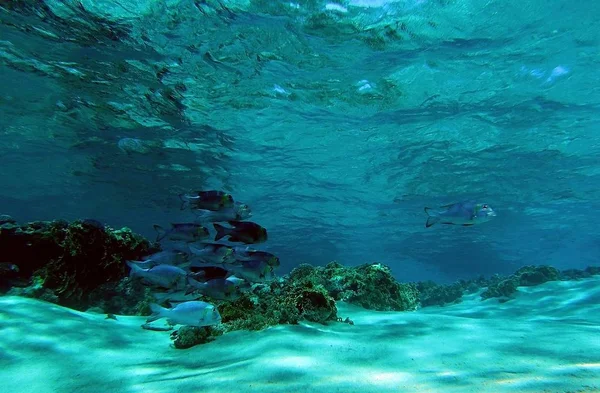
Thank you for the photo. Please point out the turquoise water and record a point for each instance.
(336, 122)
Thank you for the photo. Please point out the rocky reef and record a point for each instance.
(308, 293)
(371, 286)
(501, 287)
(525, 276)
(82, 265)
(78, 264)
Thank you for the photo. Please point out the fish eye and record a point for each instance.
(485, 206)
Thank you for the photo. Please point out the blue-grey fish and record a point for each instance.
(248, 254)
(206, 200)
(174, 296)
(217, 288)
(238, 212)
(166, 257)
(242, 231)
(193, 313)
(252, 270)
(163, 276)
(187, 232)
(462, 213)
(211, 253)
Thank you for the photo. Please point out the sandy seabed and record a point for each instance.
(545, 340)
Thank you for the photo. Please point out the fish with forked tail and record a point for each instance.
(212, 253)
(245, 253)
(464, 213)
(193, 313)
(206, 200)
(163, 276)
(188, 232)
(242, 231)
(217, 288)
(238, 212)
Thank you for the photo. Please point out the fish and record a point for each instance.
(464, 213)
(187, 232)
(238, 212)
(206, 200)
(217, 288)
(163, 276)
(166, 257)
(192, 313)
(247, 254)
(253, 271)
(211, 253)
(208, 272)
(243, 231)
(176, 296)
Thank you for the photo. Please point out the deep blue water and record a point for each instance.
(337, 123)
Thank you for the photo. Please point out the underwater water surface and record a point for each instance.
(338, 122)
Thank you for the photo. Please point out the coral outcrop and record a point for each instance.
(525, 276)
(74, 264)
(371, 286)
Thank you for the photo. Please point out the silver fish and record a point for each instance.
(166, 257)
(187, 232)
(211, 253)
(464, 213)
(193, 313)
(164, 276)
(238, 212)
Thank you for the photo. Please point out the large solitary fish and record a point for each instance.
(464, 213)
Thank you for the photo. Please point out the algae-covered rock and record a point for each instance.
(525, 276)
(504, 289)
(70, 260)
(432, 294)
(189, 336)
(370, 285)
(577, 274)
(283, 301)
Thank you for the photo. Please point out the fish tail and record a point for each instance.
(432, 217)
(430, 221)
(157, 312)
(160, 232)
(193, 285)
(184, 202)
(221, 231)
(135, 269)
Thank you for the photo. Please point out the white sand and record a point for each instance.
(547, 340)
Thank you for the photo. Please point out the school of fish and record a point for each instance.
(191, 270)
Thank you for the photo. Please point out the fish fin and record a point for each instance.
(221, 231)
(429, 210)
(157, 312)
(184, 202)
(160, 232)
(430, 221)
